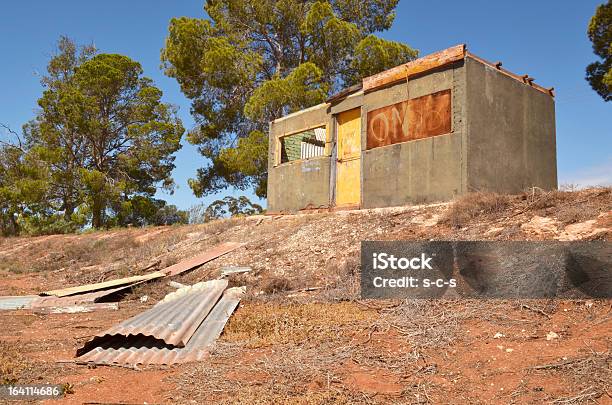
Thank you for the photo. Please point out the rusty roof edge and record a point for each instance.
(525, 79)
(344, 93)
(417, 66)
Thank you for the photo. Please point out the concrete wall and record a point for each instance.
(425, 170)
(510, 133)
(302, 183)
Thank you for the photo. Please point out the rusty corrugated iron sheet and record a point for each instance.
(103, 286)
(412, 68)
(142, 350)
(200, 259)
(408, 120)
(388, 125)
(171, 322)
(12, 302)
(430, 115)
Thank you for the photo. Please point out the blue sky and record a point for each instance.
(546, 39)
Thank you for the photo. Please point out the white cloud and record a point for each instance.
(596, 175)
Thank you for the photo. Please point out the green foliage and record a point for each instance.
(599, 73)
(100, 146)
(227, 207)
(255, 60)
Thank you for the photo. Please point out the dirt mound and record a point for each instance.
(302, 335)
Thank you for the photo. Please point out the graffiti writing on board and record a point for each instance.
(418, 118)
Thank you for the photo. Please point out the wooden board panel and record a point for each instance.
(388, 125)
(430, 115)
(402, 72)
(418, 118)
(348, 167)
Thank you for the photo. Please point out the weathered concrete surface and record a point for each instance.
(419, 171)
(510, 133)
(352, 101)
(300, 184)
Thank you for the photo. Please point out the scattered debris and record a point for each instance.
(103, 286)
(229, 270)
(171, 322)
(498, 335)
(152, 337)
(74, 309)
(199, 260)
(144, 298)
(551, 336)
(17, 302)
(175, 284)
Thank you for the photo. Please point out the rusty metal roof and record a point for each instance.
(414, 67)
(171, 322)
(436, 60)
(200, 259)
(143, 350)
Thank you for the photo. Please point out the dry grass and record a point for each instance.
(474, 205)
(16, 368)
(590, 376)
(261, 325)
(13, 364)
(276, 284)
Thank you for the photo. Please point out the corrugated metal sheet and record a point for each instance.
(12, 302)
(103, 286)
(309, 150)
(320, 134)
(421, 117)
(171, 322)
(199, 260)
(140, 350)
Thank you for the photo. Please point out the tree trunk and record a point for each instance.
(97, 212)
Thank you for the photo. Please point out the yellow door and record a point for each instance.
(348, 166)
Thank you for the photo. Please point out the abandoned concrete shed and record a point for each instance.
(428, 130)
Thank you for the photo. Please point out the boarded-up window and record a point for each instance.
(418, 118)
(303, 145)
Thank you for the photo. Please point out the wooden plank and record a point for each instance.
(402, 72)
(408, 120)
(388, 125)
(103, 286)
(200, 259)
